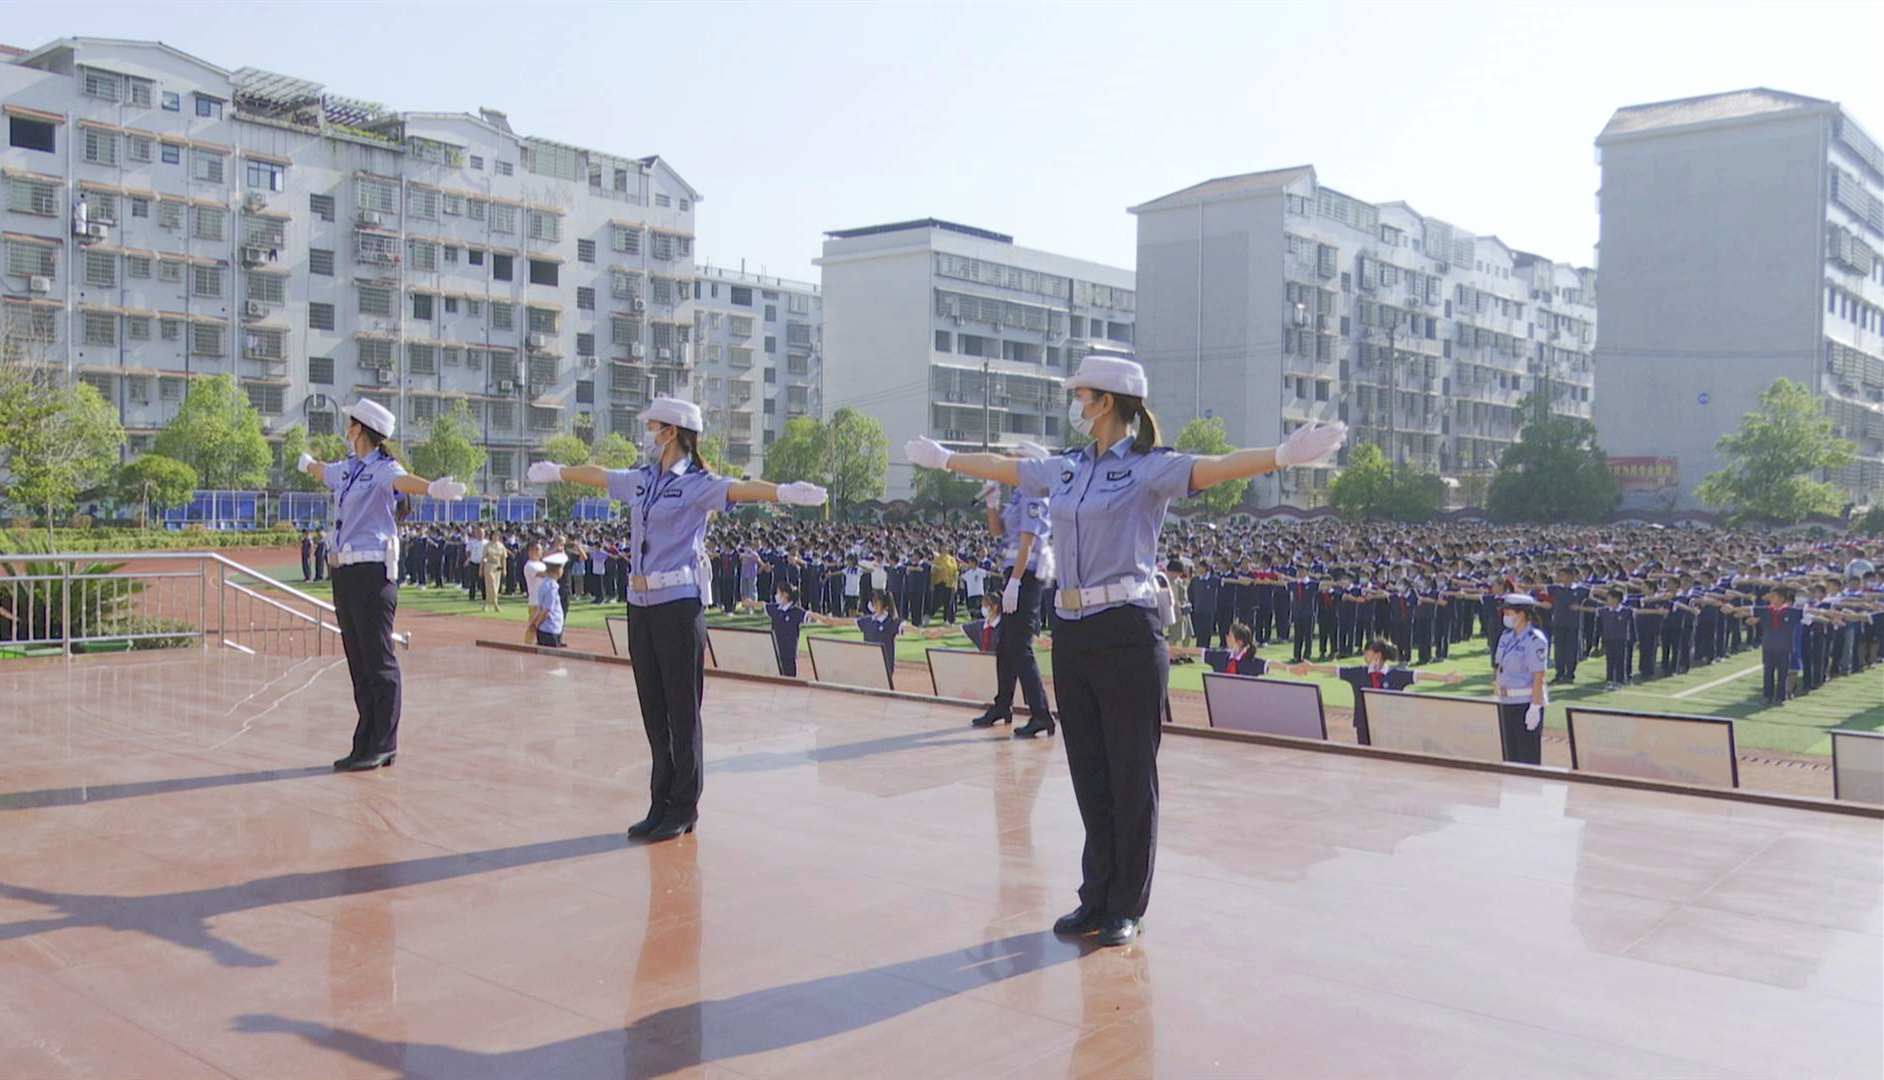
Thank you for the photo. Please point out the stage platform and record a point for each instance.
(186, 890)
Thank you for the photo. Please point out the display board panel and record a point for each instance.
(1440, 725)
(963, 674)
(1266, 706)
(1654, 746)
(743, 652)
(849, 663)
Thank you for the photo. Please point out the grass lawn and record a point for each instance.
(1730, 688)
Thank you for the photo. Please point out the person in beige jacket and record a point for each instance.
(493, 569)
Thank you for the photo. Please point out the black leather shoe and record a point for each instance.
(1118, 930)
(647, 824)
(669, 830)
(1035, 726)
(345, 763)
(989, 719)
(368, 762)
(1078, 922)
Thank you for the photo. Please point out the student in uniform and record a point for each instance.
(882, 626)
(320, 553)
(1615, 625)
(1239, 657)
(787, 617)
(1110, 662)
(366, 586)
(307, 557)
(1776, 619)
(670, 496)
(546, 625)
(1519, 664)
(1376, 671)
(1302, 592)
(1205, 589)
(1566, 622)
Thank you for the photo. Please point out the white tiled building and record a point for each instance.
(168, 219)
(922, 317)
(1269, 299)
(758, 358)
(1742, 240)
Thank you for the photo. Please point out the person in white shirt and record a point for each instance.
(974, 580)
(853, 585)
(532, 566)
(473, 563)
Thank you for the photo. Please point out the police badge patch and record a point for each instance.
(1033, 510)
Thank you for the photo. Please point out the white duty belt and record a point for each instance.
(348, 558)
(1122, 591)
(669, 580)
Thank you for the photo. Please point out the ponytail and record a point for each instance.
(1134, 413)
(690, 445)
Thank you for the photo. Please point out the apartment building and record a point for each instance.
(1270, 300)
(167, 219)
(958, 333)
(759, 358)
(1742, 241)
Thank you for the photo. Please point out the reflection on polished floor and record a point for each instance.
(185, 890)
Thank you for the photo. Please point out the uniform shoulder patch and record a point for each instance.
(1033, 510)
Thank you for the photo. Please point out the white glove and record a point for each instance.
(544, 472)
(925, 453)
(301, 463)
(445, 488)
(1010, 596)
(801, 493)
(1310, 443)
(1533, 716)
(990, 493)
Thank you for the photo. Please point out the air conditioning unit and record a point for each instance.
(637, 351)
(640, 305)
(588, 362)
(39, 284)
(385, 375)
(510, 485)
(537, 390)
(254, 256)
(663, 354)
(97, 230)
(255, 200)
(507, 387)
(370, 218)
(255, 309)
(538, 341)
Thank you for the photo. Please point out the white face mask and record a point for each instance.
(652, 446)
(1076, 417)
(1511, 622)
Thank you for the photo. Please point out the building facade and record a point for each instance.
(958, 333)
(759, 358)
(1741, 241)
(1269, 300)
(167, 219)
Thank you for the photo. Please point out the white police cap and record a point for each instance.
(555, 560)
(1112, 374)
(1518, 600)
(373, 416)
(667, 410)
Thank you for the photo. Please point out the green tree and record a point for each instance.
(938, 491)
(451, 447)
(1772, 458)
(713, 452)
(798, 453)
(327, 448)
(615, 452)
(57, 439)
(857, 457)
(1371, 489)
(294, 443)
(564, 450)
(155, 482)
(1206, 436)
(1556, 472)
(219, 434)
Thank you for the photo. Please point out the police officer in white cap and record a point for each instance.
(365, 558)
(1518, 665)
(669, 497)
(1110, 664)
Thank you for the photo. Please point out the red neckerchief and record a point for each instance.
(1230, 668)
(1779, 612)
(987, 636)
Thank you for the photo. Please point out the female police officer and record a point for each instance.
(1110, 662)
(670, 495)
(1519, 663)
(365, 555)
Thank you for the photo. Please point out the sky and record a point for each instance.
(1044, 120)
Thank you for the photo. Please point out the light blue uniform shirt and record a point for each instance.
(1518, 657)
(667, 525)
(1021, 515)
(364, 501)
(549, 598)
(1107, 514)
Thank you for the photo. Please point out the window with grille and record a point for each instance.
(663, 200)
(452, 204)
(206, 281)
(503, 218)
(543, 320)
(422, 306)
(739, 357)
(99, 84)
(376, 300)
(544, 370)
(137, 327)
(421, 358)
(101, 383)
(424, 410)
(544, 419)
(320, 261)
(503, 316)
(207, 166)
(739, 325)
(264, 344)
(475, 209)
(268, 288)
(321, 206)
(320, 421)
(373, 194)
(169, 330)
(473, 307)
(624, 284)
(503, 417)
(377, 248)
(585, 299)
(99, 328)
(624, 331)
(663, 291)
(585, 344)
(424, 255)
(504, 365)
(101, 147)
(374, 353)
(451, 255)
(320, 370)
(625, 238)
(264, 232)
(663, 246)
(585, 251)
(170, 215)
(28, 196)
(208, 223)
(26, 259)
(266, 399)
(545, 225)
(505, 168)
(798, 334)
(205, 339)
(451, 305)
(423, 203)
(140, 208)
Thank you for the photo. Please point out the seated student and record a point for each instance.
(1375, 672)
(546, 617)
(984, 633)
(1240, 657)
(882, 627)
